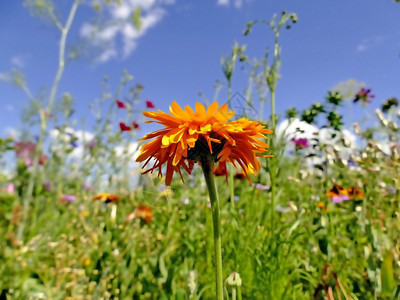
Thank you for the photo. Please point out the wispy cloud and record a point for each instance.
(18, 61)
(9, 108)
(121, 26)
(5, 76)
(370, 42)
(236, 3)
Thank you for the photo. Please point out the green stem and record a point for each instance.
(239, 293)
(273, 162)
(209, 177)
(44, 117)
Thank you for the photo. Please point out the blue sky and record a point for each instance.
(177, 54)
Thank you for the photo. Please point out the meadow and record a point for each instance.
(320, 220)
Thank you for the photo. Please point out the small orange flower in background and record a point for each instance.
(202, 135)
(240, 175)
(143, 212)
(339, 194)
(107, 198)
(221, 170)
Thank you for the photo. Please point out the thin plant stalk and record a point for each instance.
(273, 163)
(212, 191)
(44, 117)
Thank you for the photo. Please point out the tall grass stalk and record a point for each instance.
(44, 114)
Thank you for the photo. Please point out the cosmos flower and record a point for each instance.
(135, 125)
(120, 104)
(106, 197)
(67, 198)
(47, 185)
(364, 95)
(300, 143)
(149, 104)
(202, 136)
(124, 127)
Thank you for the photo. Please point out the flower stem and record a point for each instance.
(44, 119)
(209, 177)
(273, 162)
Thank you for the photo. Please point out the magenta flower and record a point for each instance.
(47, 185)
(300, 143)
(149, 104)
(67, 198)
(341, 198)
(364, 95)
(26, 150)
(120, 104)
(135, 125)
(124, 127)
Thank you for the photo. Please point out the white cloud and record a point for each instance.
(370, 42)
(120, 26)
(236, 3)
(18, 61)
(223, 2)
(5, 76)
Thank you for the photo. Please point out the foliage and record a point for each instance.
(56, 242)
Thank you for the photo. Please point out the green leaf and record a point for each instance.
(135, 18)
(387, 275)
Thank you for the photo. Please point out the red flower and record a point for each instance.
(149, 104)
(120, 104)
(124, 127)
(135, 125)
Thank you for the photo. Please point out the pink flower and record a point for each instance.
(300, 143)
(149, 104)
(338, 199)
(67, 198)
(120, 104)
(124, 127)
(26, 151)
(47, 186)
(10, 189)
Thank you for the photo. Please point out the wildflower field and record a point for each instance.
(211, 199)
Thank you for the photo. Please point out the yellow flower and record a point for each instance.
(202, 135)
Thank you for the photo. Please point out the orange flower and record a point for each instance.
(351, 193)
(202, 135)
(336, 191)
(355, 193)
(105, 197)
(143, 212)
